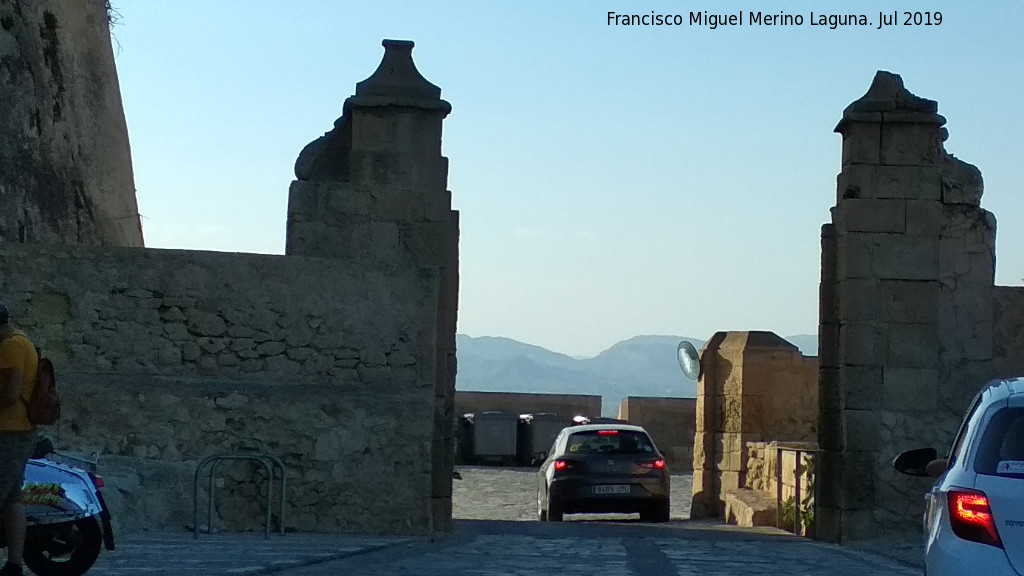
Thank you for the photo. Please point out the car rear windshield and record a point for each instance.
(610, 442)
(1002, 446)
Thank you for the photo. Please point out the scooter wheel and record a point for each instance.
(65, 549)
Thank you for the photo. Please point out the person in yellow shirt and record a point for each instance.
(19, 362)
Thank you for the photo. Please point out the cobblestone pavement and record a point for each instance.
(493, 493)
(509, 542)
(178, 554)
(622, 548)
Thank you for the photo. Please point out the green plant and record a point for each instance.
(789, 507)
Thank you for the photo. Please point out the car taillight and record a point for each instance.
(563, 465)
(971, 517)
(607, 432)
(653, 464)
(97, 480)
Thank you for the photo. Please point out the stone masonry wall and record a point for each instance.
(169, 356)
(1008, 336)
(65, 162)
(754, 387)
(671, 423)
(374, 189)
(150, 433)
(906, 312)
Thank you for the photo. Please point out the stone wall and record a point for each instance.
(342, 447)
(374, 189)
(671, 423)
(568, 405)
(1008, 334)
(168, 356)
(754, 386)
(65, 162)
(907, 315)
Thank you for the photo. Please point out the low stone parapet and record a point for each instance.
(745, 507)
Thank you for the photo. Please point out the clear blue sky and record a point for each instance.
(612, 181)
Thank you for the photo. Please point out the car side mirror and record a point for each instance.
(916, 462)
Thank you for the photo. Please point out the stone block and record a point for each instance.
(828, 345)
(854, 255)
(860, 432)
(828, 388)
(962, 183)
(376, 241)
(305, 201)
(862, 143)
(860, 387)
(911, 389)
(828, 524)
(909, 182)
(857, 484)
(909, 302)
(858, 299)
(730, 480)
(924, 217)
(749, 508)
(910, 144)
(903, 257)
(863, 343)
(913, 345)
(871, 215)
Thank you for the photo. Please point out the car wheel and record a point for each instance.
(554, 511)
(542, 514)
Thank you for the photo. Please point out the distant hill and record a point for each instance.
(639, 366)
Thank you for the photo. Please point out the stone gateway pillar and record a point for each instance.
(906, 310)
(374, 190)
(65, 163)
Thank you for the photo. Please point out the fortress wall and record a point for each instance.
(168, 356)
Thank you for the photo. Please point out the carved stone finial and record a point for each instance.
(887, 94)
(397, 75)
(888, 100)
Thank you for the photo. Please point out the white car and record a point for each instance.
(974, 523)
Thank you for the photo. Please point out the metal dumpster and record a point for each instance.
(489, 438)
(536, 434)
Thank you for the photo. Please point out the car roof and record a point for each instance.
(606, 426)
(1003, 388)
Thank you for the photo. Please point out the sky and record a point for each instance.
(612, 181)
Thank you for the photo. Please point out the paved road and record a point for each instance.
(500, 548)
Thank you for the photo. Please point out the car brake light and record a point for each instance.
(653, 464)
(607, 432)
(97, 480)
(971, 517)
(563, 465)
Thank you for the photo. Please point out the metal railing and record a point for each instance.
(269, 462)
(797, 473)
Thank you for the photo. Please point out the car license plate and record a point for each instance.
(612, 489)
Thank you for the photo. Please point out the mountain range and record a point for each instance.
(638, 366)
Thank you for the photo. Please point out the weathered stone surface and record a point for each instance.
(870, 215)
(905, 374)
(67, 174)
(750, 508)
(1008, 331)
(961, 182)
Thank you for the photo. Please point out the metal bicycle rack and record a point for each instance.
(269, 462)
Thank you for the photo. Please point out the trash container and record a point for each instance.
(536, 434)
(490, 437)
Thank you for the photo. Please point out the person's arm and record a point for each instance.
(11, 381)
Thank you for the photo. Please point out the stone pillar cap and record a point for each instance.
(397, 82)
(887, 96)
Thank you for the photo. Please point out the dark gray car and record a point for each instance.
(603, 468)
